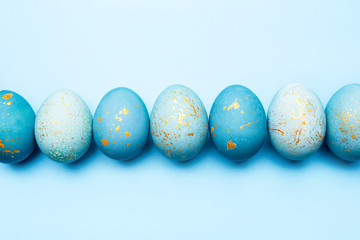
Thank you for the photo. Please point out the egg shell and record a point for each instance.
(121, 124)
(63, 127)
(343, 122)
(179, 123)
(17, 140)
(237, 123)
(296, 122)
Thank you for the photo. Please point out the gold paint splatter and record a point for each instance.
(212, 129)
(166, 121)
(7, 96)
(16, 151)
(99, 128)
(137, 105)
(7, 151)
(127, 134)
(1, 144)
(126, 111)
(127, 144)
(276, 129)
(99, 119)
(235, 105)
(189, 134)
(224, 108)
(230, 145)
(181, 118)
(242, 112)
(227, 130)
(241, 127)
(104, 142)
(117, 128)
(56, 122)
(9, 103)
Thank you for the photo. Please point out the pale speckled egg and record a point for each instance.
(121, 124)
(17, 118)
(179, 123)
(296, 122)
(237, 123)
(343, 123)
(63, 127)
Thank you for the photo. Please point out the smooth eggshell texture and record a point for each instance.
(296, 122)
(179, 123)
(63, 127)
(121, 124)
(237, 123)
(343, 127)
(17, 118)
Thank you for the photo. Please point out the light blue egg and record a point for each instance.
(121, 124)
(296, 122)
(343, 123)
(17, 118)
(237, 123)
(63, 127)
(179, 123)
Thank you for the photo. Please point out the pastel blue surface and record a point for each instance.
(179, 123)
(237, 123)
(121, 124)
(343, 122)
(92, 47)
(17, 140)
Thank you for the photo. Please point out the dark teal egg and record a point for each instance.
(17, 140)
(121, 124)
(343, 123)
(237, 123)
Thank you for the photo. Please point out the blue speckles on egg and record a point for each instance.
(17, 118)
(343, 123)
(237, 123)
(63, 127)
(121, 124)
(178, 123)
(296, 122)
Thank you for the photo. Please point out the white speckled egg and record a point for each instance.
(179, 123)
(296, 122)
(63, 127)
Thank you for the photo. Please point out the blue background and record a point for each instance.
(94, 46)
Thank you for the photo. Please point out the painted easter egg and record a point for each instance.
(63, 127)
(17, 118)
(343, 123)
(237, 123)
(179, 123)
(121, 124)
(296, 122)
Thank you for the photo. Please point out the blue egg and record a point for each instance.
(343, 123)
(121, 124)
(296, 122)
(179, 123)
(63, 127)
(17, 118)
(237, 123)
